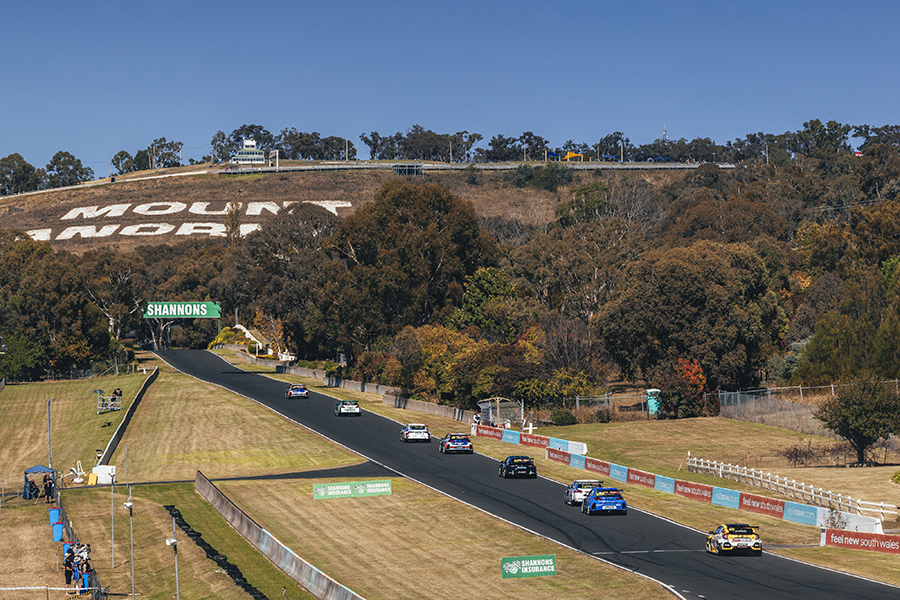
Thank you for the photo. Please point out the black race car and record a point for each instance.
(518, 466)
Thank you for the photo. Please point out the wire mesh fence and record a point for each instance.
(769, 407)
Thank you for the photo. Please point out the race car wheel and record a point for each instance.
(757, 553)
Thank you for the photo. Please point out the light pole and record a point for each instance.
(173, 541)
(130, 506)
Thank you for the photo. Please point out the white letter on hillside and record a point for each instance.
(87, 232)
(210, 229)
(256, 208)
(40, 235)
(152, 210)
(199, 208)
(147, 229)
(92, 212)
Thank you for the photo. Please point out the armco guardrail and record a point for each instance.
(312, 579)
(788, 487)
(710, 494)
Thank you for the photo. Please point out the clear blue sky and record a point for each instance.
(93, 78)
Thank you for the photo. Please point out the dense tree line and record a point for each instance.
(782, 269)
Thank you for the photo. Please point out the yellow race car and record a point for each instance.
(734, 537)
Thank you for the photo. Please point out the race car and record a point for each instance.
(347, 407)
(580, 488)
(734, 537)
(298, 390)
(604, 500)
(517, 466)
(414, 432)
(456, 442)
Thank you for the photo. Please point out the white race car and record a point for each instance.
(576, 492)
(347, 407)
(415, 432)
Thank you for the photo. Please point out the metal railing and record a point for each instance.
(789, 487)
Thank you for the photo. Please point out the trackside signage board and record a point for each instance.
(528, 566)
(352, 489)
(862, 541)
(186, 310)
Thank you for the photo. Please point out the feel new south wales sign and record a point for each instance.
(182, 310)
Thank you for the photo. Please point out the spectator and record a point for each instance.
(69, 564)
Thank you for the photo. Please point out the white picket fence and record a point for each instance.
(789, 487)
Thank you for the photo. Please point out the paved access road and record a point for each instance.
(665, 551)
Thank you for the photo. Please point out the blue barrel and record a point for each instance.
(57, 532)
(54, 515)
(66, 548)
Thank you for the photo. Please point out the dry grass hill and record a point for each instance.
(151, 208)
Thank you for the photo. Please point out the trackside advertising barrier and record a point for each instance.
(528, 439)
(855, 540)
(701, 492)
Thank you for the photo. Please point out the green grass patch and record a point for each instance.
(93, 510)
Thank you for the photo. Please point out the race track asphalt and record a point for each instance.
(640, 542)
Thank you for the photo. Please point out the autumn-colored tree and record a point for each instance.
(683, 392)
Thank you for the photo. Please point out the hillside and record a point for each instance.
(148, 209)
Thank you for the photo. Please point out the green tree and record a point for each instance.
(589, 203)
(165, 154)
(862, 414)
(403, 261)
(115, 282)
(264, 139)
(274, 269)
(220, 151)
(123, 162)
(488, 304)
(64, 170)
(18, 177)
(709, 302)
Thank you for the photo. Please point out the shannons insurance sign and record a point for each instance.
(185, 310)
(352, 489)
(528, 566)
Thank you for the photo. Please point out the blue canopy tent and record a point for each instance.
(27, 493)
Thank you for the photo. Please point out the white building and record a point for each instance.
(249, 154)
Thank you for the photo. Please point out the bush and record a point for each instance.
(896, 477)
(562, 416)
(521, 177)
(552, 176)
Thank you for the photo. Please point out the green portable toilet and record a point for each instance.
(652, 401)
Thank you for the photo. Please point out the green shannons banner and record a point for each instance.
(352, 489)
(528, 566)
(187, 310)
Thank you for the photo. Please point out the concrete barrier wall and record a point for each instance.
(120, 430)
(448, 412)
(312, 579)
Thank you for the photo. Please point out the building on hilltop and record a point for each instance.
(249, 154)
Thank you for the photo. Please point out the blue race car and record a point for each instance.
(298, 390)
(456, 442)
(604, 500)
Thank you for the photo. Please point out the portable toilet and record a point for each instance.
(652, 401)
